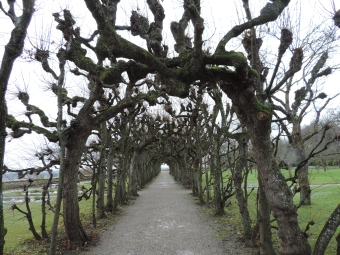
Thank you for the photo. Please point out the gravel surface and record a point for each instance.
(164, 220)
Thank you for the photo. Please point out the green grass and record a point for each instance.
(17, 226)
(316, 177)
(324, 200)
(18, 233)
(331, 176)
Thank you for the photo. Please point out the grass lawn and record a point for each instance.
(325, 197)
(18, 232)
(18, 229)
(316, 177)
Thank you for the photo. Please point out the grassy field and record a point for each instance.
(316, 177)
(19, 238)
(325, 197)
(18, 228)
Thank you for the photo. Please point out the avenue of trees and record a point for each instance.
(124, 109)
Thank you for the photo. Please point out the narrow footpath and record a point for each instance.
(164, 220)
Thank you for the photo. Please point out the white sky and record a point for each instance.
(219, 17)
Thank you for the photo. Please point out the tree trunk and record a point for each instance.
(290, 171)
(240, 197)
(133, 173)
(43, 205)
(327, 232)
(75, 147)
(324, 164)
(143, 173)
(12, 50)
(200, 190)
(62, 149)
(195, 183)
(207, 181)
(3, 133)
(215, 170)
(109, 199)
(279, 196)
(257, 119)
(266, 246)
(305, 193)
(100, 204)
(338, 244)
(29, 216)
(94, 195)
(101, 173)
(120, 194)
(184, 173)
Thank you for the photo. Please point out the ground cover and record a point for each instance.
(18, 229)
(325, 197)
(19, 239)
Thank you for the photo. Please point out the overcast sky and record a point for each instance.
(219, 17)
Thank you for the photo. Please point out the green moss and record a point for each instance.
(233, 58)
(185, 54)
(12, 122)
(237, 58)
(109, 75)
(184, 75)
(262, 107)
(254, 72)
(44, 119)
(217, 70)
(63, 93)
(153, 96)
(83, 62)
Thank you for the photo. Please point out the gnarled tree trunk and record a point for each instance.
(75, 148)
(266, 247)
(257, 119)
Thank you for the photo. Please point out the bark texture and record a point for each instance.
(73, 226)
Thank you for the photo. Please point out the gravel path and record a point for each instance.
(164, 220)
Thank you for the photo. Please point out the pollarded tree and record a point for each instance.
(12, 51)
(306, 97)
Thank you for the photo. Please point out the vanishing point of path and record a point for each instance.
(164, 220)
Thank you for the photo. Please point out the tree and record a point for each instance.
(294, 114)
(12, 50)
